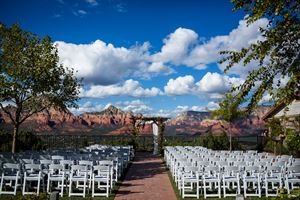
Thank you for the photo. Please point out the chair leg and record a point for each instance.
(2, 179)
(219, 189)
(70, 187)
(48, 185)
(224, 188)
(84, 186)
(38, 187)
(108, 188)
(93, 187)
(24, 185)
(197, 187)
(204, 188)
(62, 188)
(16, 185)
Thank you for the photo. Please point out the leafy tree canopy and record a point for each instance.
(229, 109)
(277, 54)
(31, 79)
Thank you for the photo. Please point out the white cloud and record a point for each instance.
(105, 64)
(129, 88)
(120, 7)
(176, 46)
(136, 102)
(82, 12)
(212, 85)
(265, 99)
(87, 107)
(159, 67)
(105, 67)
(143, 109)
(212, 105)
(217, 83)
(180, 86)
(92, 2)
(180, 109)
(163, 113)
(242, 36)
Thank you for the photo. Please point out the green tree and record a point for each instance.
(223, 142)
(229, 111)
(31, 79)
(277, 54)
(293, 142)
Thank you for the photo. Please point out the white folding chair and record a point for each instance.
(212, 182)
(33, 173)
(273, 175)
(78, 174)
(101, 180)
(12, 173)
(56, 174)
(111, 167)
(231, 180)
(89, 169)
(252, 181)
(190, 182)
(292, 178)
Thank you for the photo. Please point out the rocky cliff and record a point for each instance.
(114, 121)
(197, 123)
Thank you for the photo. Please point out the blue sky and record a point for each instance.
(147, 56)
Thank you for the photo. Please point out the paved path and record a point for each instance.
(146, 179)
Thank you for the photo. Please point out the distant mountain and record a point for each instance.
(190, 118)
(114, 121)
(199, 123)
(53, 121)
(111, 116)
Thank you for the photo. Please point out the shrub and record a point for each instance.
(26, 141)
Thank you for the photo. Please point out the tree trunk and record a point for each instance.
(15, 134)
(230, 138)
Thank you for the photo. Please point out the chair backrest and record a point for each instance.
(222, 164)
(85, 162)
(102, 170)
(293, 170)
(11, 168)
(231, 170)
(252, 168)
(33, 168)
(203, 163)
(211, 170)
(45, 162)
(106, 162)
(67, 164)
(56, 168)
(79, 169)
(57, 158)
(27, 161)
(273, 170)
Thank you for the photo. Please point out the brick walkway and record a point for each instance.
(146, 179)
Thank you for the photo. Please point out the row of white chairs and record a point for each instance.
(198, 170)
(60, 172)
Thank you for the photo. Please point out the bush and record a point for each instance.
(210, 141)
(292, 141)
(25, 141)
